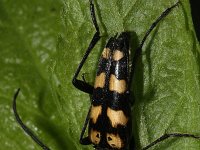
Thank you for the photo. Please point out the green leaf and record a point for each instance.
(28, 39)
(42, 44)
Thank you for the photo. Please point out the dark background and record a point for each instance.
(195, 8)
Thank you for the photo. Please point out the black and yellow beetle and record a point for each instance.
(109, 117)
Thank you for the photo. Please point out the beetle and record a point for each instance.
(109, 117)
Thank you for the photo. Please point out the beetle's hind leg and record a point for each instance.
(24, 127)
(85, 140)
(170, 135)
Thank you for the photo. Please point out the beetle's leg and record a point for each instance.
(79, 84)
(153, 25)
(166, 136)
(24, 127)
(85, 140)
(83, 78)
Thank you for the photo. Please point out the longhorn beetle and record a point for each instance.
(109, 116)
